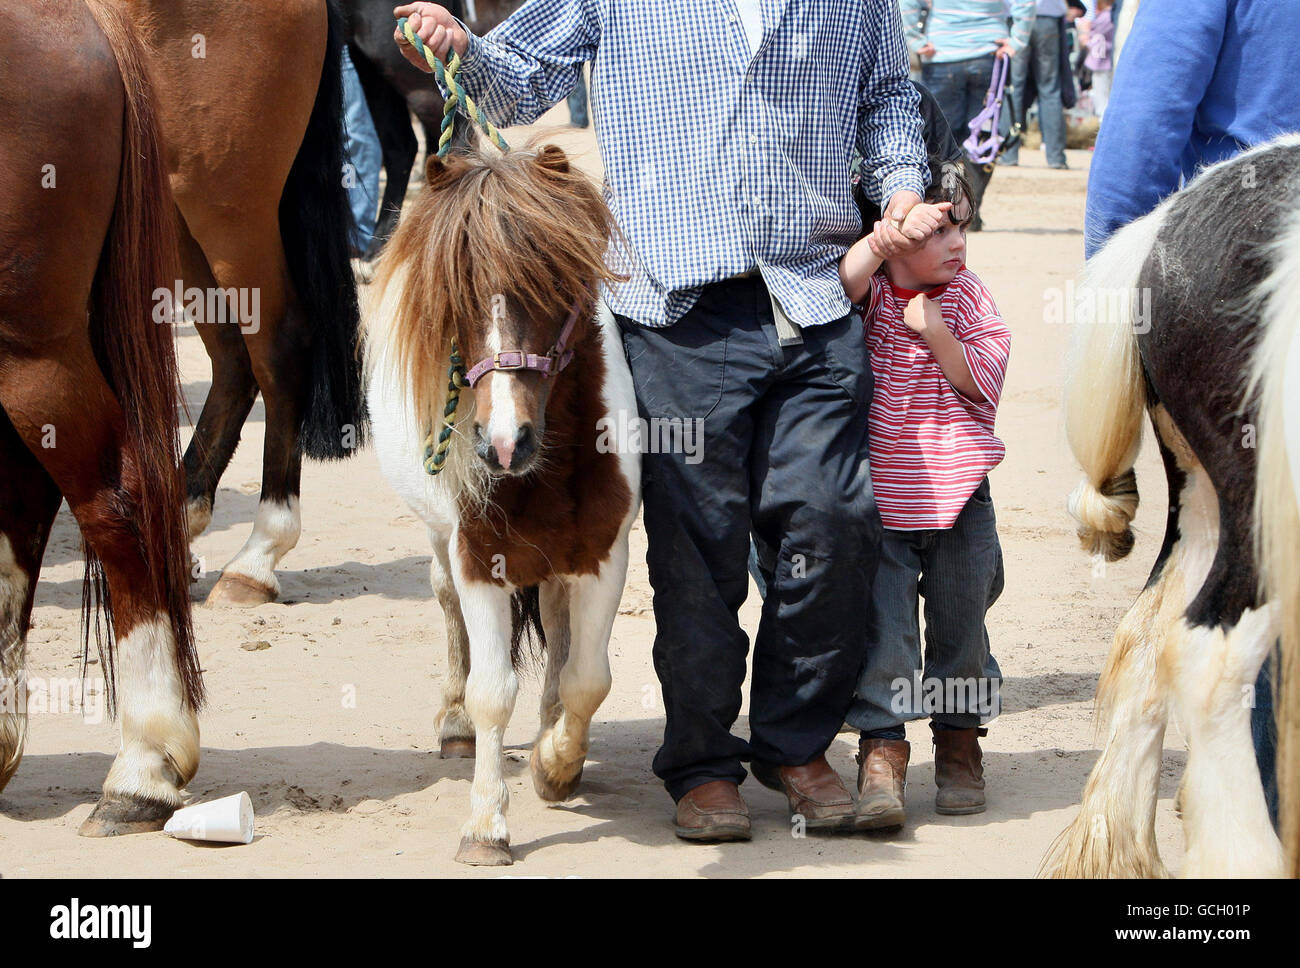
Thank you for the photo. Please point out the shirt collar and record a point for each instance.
(907, 295)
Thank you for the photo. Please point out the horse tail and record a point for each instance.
(138, 357)
(527, 635)
(316, 226)
(1105, 391)
(1275, 378)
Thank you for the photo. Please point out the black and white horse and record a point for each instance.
(1190, 314)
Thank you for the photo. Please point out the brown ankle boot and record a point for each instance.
(959, 771)
(882, 776)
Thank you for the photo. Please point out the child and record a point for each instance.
(1101, 42)
(938, 354)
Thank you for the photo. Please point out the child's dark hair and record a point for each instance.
(948, 183)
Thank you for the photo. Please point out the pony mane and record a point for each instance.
(524, 223)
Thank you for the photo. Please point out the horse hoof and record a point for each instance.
(546, 787)
(115, 816)
(478, 853)
(240, 590)
(457, 749)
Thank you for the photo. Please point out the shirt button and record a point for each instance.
(731, 18)
(753, 139)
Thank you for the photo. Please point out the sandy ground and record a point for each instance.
(329, 724)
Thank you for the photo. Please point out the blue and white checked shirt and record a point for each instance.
(718, 160)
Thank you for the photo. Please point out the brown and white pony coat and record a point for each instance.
(530, 516)
(1218, 266)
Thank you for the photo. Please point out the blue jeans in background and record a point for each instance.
(365, 158)
(959, 87)
(578, 103)
(1043, 57)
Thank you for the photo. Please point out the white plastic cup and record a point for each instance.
(227, 821)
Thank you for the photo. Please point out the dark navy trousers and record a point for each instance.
(782, 451)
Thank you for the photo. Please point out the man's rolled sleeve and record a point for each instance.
(529, 62)
(889, 118)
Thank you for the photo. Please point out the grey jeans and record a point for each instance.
(958, 571)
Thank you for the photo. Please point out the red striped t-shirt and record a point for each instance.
(931, 446)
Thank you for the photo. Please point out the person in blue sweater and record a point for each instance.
(1198, 82)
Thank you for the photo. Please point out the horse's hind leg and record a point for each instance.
(28, 502)
(99, 475)
(1225, 816)
(1113, 834)
(1213, 668)
(584, 680)
(231, 397)
(455, 728)
(277, 338)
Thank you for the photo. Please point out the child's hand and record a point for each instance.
(919, 312)
(924, 219)
(892, 239)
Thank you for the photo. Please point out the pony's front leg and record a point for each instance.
(1225, 817)
(584, 681)
(490, 693)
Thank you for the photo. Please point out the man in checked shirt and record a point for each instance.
(726, 128)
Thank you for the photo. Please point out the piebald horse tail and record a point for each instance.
(316, 225)
(1105, 391)
(138, 357)
(1276, 380)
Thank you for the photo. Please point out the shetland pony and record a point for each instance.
(529, 518)
(251, 107)
(1189, 314)
(88, 388)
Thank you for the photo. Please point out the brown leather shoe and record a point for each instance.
(882, 777)
(815, 792)
(959, 771)
(712, 812)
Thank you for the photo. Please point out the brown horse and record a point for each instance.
(88, 386)
(250, 100)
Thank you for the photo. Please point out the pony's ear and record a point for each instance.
(438, 174)
(554, 158)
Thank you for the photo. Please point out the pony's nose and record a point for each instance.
(514, 453)
(506, 453)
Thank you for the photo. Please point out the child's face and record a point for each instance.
(938, 261)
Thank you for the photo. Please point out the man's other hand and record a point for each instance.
(436, 27)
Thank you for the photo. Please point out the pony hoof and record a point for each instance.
(457, 749)
(115, 816)
(240, 590)
(546, 787)
(478, 853)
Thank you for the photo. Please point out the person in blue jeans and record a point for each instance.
(365, 157)
(1223, 81)
(957, 48)
(1042, 59)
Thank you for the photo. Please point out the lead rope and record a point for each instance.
(435, 451)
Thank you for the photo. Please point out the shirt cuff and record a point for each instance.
(472, 59)
(901, 181)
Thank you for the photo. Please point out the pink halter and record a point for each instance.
(553, 362)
